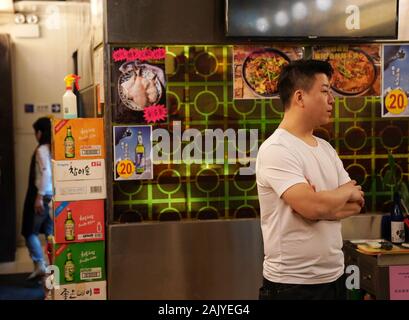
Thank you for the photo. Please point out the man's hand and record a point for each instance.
(39, 204)
(350, 209)
(324, 205)
(356, 193)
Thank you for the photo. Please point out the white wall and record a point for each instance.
(403, 32)
(39, 67)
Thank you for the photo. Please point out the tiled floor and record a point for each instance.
(13, 279)
(22, 264)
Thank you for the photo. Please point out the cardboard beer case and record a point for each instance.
(79, 262)
(79, 180)
(81, 291)
(78, 139)
(79, 221)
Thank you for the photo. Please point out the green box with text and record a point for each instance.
(80, 262)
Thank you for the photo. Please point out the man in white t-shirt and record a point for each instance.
(304, 192)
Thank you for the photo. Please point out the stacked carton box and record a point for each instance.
(79, 180)
(78, 162)
(79, 221)
(82, 270)
(88, 137)
(78, 159)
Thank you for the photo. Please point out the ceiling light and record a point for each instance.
(19, 18)
(32, 18)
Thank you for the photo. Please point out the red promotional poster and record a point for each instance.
(140, 91)
(79, 221)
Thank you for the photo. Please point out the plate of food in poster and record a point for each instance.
(356, 68)
(140, 90)
(395, 84)
(257, 69)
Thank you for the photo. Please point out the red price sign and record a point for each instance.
(396, 101)
(125, 168)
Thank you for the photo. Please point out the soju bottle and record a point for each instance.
(69, 227)
(397, 224)
(69, 144)
(69, 268)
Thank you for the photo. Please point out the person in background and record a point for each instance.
(36, 215)
(304, 192)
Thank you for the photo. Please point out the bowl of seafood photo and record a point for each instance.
(140, 85)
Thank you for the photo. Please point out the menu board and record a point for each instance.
(257, 68)
(356, 68)
(395, 86)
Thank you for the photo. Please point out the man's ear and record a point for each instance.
(298, 98)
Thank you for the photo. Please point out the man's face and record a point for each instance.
(319, 101)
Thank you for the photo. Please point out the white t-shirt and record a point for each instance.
(43, 177)
(298, 250)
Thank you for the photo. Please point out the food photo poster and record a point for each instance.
(256, 69)
(139, 90)
(356, 68)
(395, 84)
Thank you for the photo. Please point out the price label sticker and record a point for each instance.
(125, 168)
(396, 101)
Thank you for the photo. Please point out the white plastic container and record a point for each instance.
(69, 99)
(69, 105)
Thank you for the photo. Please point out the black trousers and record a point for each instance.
(283, 291)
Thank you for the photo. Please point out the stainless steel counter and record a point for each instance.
(363, 226)
(185, 260)
(213, 259)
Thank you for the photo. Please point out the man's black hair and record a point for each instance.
(43, 125)
(300, 74)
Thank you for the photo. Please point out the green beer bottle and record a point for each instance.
(69, 144)
(69, 227)
(69, 268)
